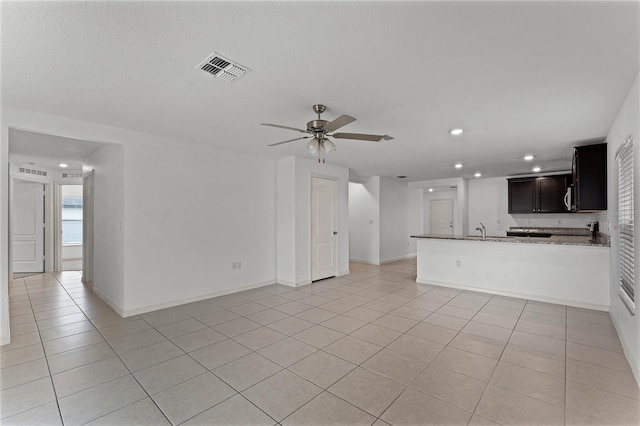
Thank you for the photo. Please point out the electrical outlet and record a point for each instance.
(559, 221)
(458, 263)
(239, 265)
(234, 266)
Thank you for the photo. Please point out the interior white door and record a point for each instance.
(28, 227)
(324, 228)
(441, 214)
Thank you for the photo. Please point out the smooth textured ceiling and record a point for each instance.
(48, 151)
(520, 77)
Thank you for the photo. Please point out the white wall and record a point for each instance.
(109, 235)
(364, 221)
(628, 326)
(294, 191)
(415, 223)
(460, 211)
(488, 203)
(394, 220)
(191, 211)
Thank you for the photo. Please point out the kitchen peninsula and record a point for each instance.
(566, 269)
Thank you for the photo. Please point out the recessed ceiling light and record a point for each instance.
(430, 189)
(536, 169)
(458, 166)
(63, 165)
(478, 174)
(528, 157)
(456, 132)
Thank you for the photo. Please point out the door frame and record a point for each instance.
(337, 222)
(49, 221)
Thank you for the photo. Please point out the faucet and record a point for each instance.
(482, 230)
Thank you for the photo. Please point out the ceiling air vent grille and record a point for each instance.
(72, 175)
(221, 67)
(32, 171)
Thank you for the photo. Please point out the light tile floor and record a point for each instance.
(372, 347)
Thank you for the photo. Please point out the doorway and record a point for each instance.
(324, 228)
(28, 227)
(441, 217)
(71, 213)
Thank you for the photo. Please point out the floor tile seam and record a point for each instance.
(628, 372)
(602, 390)
(326, 353)
(226, 399)
(28, 381)
(67, 335)
(53, 387)
(75, 322)
(111, 379)
(21, 348)
(125, 366)
(33, 408)
(594, 347)
(563, 406)
(248, 387)
(495, 366)
(440, 398)
(377, 417)
(332, 394)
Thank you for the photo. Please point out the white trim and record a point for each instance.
(395, 259)
(341, 273)
(382, 262)
(293, 284)
(566, 302)
(151, 308)
(119, 310)
(626, 349)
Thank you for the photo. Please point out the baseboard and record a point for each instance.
(119, 310)
(293, 284)
(342, 273)
(626, 348)
(5, 340)
(536, 298)
(382, 262)
(395, 259)
(368, 262)
(151, 308)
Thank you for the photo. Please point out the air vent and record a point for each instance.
(221, 67)
(72, 175)
(32, 171)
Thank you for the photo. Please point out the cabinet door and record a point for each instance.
(552, 192)
(522, 195)
(590, 177)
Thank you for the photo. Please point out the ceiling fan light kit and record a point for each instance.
(320, 130)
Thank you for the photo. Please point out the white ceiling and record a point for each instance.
(48, 151)
(520, 77)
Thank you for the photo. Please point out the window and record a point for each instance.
(625, 224)
(71, 215)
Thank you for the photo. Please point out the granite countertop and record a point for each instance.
(602, 240)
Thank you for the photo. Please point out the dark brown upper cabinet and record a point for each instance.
(545, 194)
(590, 177)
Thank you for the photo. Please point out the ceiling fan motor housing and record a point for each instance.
(315, 125)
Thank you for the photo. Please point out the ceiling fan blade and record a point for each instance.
(343, 120)
(290, 140)
(358, 136)
(284, 127)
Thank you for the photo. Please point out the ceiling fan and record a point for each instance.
(319, 131)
